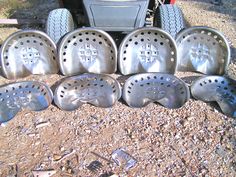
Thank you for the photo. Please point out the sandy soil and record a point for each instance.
(195, 140)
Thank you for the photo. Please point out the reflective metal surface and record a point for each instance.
(87, 50)
(147, 50)
(30, 95)
(166, 89)
(123, 159)
(217, 89)
(202, 49)
(28, 52)
(96, 89)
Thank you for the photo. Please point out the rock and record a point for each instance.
(56, 157)
(42, 124)
(46, 173)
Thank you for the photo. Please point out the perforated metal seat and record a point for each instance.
(87, 50)
(28, 52)
(202, 49)
(216, 89)
(147, 50)
(96, 89)
(141, 89)
(30, 95)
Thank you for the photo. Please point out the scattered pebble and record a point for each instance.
(44, 173)
(42, 124)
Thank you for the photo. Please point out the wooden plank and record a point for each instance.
(21, 21)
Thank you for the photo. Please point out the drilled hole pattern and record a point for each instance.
(87, 88)
(25, 51)
(216, 89)
(23, 89)
(81, 50)
(205, 35)
(210, 86)
(142, 89)
(208, 51)
(31, 95)
(151, 48)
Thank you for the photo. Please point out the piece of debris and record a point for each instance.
(95, 166)
(123, 159)
(58, 158)
(42, 124)
(96, 154)
(43, 173)
(66, 174)
(32, 134)
(114, 175)
(108, 174)
(12, 170)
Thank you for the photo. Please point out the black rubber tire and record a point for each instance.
(59, 22)
(170, 18)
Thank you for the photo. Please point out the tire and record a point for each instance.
(59, 22)
(169, 18)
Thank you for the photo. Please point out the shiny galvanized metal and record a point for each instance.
(202, 49)
(28, 52)
(30, 95)
(216, 89)
(147, 50)
(141, 89)
(87, 50)
(96, 89)
(123, 159)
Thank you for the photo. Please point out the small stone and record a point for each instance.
(69, 170)
(48, 173)
(56, 157)
(42, 124)
(37, 143)
(61, 148)
(63, 168)
(32, 134)
(53, 109)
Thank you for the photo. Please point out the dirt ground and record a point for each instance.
(195, 140)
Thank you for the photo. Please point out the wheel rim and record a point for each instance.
(87, 50)
(95, 89)
(202, 49)
(28, 52)
(166, 89)
(147, 50)
(30, 95)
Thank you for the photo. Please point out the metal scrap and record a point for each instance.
(43, 173)
(59, 158)
(95, 166)
(123, 159)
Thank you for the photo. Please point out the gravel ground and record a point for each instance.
(195, 140)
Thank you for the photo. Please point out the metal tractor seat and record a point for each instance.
(216, 89)
(28, 52)
(30, 95)
(96, 89)
(141, 89)
(147, 50)
(202, 49)
(87, 50)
